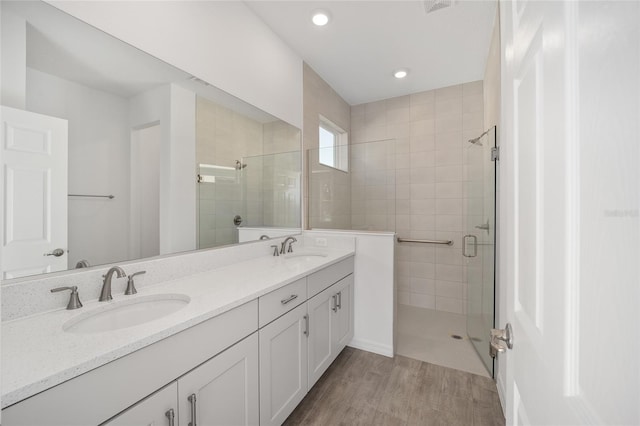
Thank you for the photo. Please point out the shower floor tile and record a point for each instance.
(425, 334)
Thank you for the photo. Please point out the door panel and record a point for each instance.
(226, 387)
(34, 192)
(320, 334)
(283, 366)
(343, 320)
(570, 211)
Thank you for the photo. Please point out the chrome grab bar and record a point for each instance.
(408, 240)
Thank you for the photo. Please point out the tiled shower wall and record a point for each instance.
(429, 130)
(270, 182)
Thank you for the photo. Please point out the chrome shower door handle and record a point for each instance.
(464, 245)
(192, 400)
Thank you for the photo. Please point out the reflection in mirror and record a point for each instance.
(105, 146)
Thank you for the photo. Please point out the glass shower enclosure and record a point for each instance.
(479, 241)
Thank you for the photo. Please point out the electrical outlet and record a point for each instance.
(321, 242)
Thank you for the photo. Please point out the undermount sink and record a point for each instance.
(305, 255)
(126, 313)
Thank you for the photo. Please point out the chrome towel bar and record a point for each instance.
(407, 240)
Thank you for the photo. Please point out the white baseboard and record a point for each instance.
(370, 346)
(501, 395)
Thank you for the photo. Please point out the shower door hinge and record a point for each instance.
(495, 153)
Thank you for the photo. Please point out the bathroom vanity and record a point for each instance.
(250, 342)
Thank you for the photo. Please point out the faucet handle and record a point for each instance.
(74, 298)
(131, 288)
(276, 252)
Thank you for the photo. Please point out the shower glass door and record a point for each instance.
(479, 242)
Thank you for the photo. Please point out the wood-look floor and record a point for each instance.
(361, 388)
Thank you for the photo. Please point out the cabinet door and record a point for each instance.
(343, 321)
(321, 312)
(157, 409)
(225, 388)
(283, 366)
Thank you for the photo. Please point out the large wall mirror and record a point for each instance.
(110, 154)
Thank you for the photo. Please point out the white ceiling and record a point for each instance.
(365, 41)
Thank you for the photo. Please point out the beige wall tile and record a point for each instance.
(430, 130)
(449, 92)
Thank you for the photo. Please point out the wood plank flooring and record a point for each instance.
(361, 388)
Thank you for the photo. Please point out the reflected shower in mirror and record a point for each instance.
(106, 145)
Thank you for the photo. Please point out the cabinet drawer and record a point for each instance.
(281, 301)
(330, 275)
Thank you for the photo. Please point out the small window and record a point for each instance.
(334, 146)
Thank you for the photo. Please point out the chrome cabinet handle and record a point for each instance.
(57, 253)
(289, 299)
(192, 400)
(171, 415)
(464, 246)
(339, 300)
(306, 325)
(334, 298)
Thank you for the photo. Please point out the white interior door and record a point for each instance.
(34, 193)
(570, 191)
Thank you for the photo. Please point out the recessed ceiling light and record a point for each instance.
(401, 73)
(320, 18)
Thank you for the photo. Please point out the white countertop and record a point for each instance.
(38, 354)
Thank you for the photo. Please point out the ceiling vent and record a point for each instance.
(433, 5)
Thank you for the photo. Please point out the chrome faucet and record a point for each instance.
(289, 240)
(105, 294)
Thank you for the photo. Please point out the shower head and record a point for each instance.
(476, 141)
(239, 165)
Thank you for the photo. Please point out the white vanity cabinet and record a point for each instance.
(250, 365)
(224, 390)
(100, 394)
(298, 347)
(283, 365)
(157, 409)
(330, 326)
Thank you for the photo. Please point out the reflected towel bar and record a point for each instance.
(111, 197)
(407, 240)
